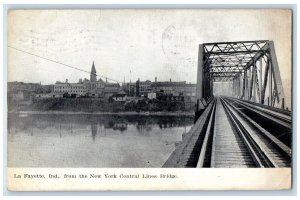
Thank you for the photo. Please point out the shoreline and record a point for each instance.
(147, 113)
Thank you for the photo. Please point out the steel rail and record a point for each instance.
(273, 152)
(184, 153)
(241, 130)
(273, 140)
(279, 110)
(276, 117)
(208, 132)
(273, 113)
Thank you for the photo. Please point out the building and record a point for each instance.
(169, 87)
(21, 86)
(79, 89)
(93, 76)
(88, 88)
(96, 89)
(151, 95)
(187, 91)
(49, 95)
(92, 84)
(121, 97)
(21, 91)
(47, 88)
(130, 89)
(111, 89)
(143, 88)
(190, 92)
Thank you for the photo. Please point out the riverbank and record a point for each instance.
(167, 113)
(97, 106)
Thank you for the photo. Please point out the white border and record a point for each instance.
(213, 3)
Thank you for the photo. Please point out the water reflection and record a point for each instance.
(68, 123)
(93, 140)
(94, 128)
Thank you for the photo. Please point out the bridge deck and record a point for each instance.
(224, 136)
(228, 150)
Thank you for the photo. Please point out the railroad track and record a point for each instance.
(231, 133)
(280, 116)
(276, 121)
(233, 139)
(279, 110)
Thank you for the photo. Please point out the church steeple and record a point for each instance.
(93, 76)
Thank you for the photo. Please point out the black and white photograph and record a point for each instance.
(149, 88)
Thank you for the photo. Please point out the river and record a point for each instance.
(98, 141)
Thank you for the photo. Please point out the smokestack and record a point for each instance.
(170, 80)
(66, 80)
(155, 79)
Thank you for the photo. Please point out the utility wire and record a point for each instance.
(57, 62)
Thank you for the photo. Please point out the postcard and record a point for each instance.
(149, 99)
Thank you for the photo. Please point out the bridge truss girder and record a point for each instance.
(250, 65)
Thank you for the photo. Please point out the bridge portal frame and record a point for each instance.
(251, 65)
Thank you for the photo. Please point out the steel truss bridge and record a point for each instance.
(251, 128)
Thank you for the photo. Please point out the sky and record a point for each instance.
(131, 43)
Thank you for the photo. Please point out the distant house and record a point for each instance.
(111, 89)
(119, 97)
(151, 95)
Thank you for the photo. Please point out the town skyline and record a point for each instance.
(156, 43)
(98, 88)
(108, 79)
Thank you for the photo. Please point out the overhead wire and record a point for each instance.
(60, 63)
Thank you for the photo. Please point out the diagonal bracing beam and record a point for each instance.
(232, 61)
